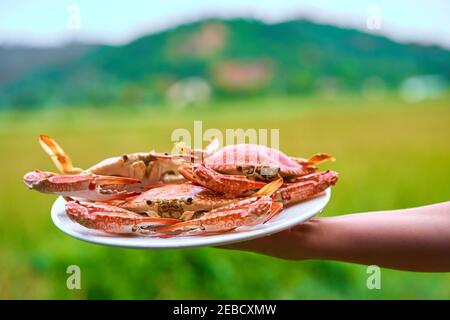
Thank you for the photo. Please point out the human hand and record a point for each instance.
(415, 239)
(292, 244)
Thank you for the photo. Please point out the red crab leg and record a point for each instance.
(57, 154)
(227, 184)
(314, 159)
(112, 219)
(305, 187)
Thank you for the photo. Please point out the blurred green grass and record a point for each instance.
(390, 155)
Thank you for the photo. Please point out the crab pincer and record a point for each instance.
(305, 187)
(231, 185)
(83, 185)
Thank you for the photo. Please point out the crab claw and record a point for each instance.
(112, 219)
(305, 187)
(83, 185)
(231, 185)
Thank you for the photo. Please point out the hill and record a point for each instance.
(227, 58)
(17, 61)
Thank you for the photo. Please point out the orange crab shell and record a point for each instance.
(179, 201)
(247, 159)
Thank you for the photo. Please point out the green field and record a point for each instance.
(390, 155)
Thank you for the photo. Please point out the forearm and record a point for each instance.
(415, 239)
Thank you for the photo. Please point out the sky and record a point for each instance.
(55, 22)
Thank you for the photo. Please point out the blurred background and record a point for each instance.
(366, 81)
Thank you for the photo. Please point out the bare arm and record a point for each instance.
(416, 239)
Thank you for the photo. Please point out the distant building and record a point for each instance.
(243, 76)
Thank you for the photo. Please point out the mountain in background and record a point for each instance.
(17, 61)
(219, 58)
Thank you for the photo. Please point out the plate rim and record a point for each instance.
(246, 235)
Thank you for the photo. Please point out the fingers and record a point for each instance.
(273, 245)
(289, 244)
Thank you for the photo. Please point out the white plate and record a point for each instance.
(287, 218)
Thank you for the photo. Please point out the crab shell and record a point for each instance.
(151, 168)
(180, 201)
(256, 162)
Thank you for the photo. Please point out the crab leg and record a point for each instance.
(227, 184)
(314, 159)
(84, 185)
(197, 155)
(57, 154)
(305, 187)
(112, 219)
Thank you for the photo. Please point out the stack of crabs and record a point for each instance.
(191, 193)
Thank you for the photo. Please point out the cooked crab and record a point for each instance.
(198, 205)
(246, 168)
(257, 162)
(109, 179)
(238, 170)
(181, 201)
(257, 209)
(243, 213)
(149, 167)
(113, 217)
(234, 186)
